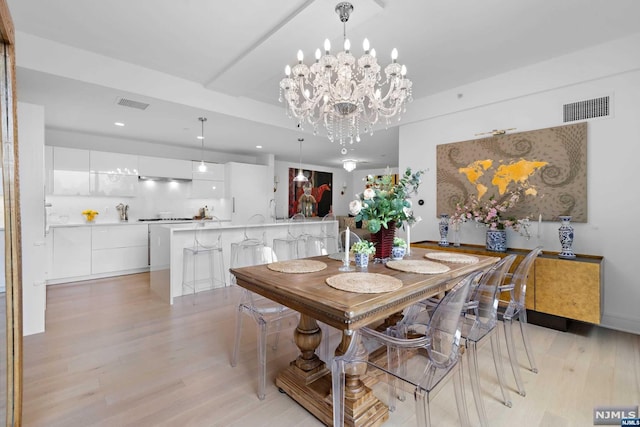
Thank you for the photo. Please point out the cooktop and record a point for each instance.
(165, 219)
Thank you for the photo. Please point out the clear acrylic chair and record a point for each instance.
(515, 308)
(293, 246)
(268, 315)
(435, 357)
(480, 321)
(198, 260)
(353, 238)
(254, 228)
(325, 242)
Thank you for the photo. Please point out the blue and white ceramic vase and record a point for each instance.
(497, 240)
(397, 252)
(362, 260)
(444, 229)
(565, 234)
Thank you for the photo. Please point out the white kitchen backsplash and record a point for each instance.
(152, 198)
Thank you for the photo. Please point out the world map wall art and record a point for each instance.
(549, 167)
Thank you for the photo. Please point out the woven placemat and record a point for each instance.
(297, 266)
(364, 283)
(452, 257)
(418, 266)
(339, 256)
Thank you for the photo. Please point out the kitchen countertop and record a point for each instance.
(130, 222)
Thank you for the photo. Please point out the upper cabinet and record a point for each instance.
(214, 172)
(76, 172)
(164, 168)
(70, 172)
(208, 184)
(113, 163)
(113, 174)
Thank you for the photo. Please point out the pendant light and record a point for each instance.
(202, 167)
(300, 177)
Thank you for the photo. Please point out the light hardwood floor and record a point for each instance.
(115, 355)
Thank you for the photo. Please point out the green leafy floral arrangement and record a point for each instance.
(384, 201)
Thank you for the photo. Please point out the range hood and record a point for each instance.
(162, 179)
(164, 170)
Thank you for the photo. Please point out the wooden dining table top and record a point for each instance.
(309, 294)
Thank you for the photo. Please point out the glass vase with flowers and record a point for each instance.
(385, 204)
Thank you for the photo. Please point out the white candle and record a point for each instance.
(408, 239)
(539, 225)
(346, 247)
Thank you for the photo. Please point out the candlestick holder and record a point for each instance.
(346, 263)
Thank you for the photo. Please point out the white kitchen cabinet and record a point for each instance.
(119, 236)
(113, 174)
(71, 252)
(113, 185)
(214, 172)
(205, 189)
(119, 248)
(249, 187)
(208, 184)
(70, 172)
(113, 163)
(165, 168)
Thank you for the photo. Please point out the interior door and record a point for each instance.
(12, 319)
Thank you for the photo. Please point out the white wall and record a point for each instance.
(532, 98)
(31, 164)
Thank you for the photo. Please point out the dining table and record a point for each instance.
(307, 379)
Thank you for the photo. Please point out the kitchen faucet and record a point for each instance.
(123, 210)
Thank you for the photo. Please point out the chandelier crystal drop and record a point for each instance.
(347, 96)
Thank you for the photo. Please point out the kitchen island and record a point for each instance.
(167, 243)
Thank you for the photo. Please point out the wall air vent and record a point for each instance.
(133, 104)
(581, 110)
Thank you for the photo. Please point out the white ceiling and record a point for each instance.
(223, 60)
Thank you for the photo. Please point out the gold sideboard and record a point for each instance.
(568, 288)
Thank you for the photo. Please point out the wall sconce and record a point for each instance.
(344, 187)
(275, 183)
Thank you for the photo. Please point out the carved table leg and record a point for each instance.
(308, 337)
(308, 381)
(361, 407)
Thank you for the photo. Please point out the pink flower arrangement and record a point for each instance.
(491, 213)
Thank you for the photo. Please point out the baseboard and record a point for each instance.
(548, 320)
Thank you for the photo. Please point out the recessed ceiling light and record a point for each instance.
(119, 124)
(200, 137)
(258, 146)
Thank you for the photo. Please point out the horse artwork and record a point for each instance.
(312, 198)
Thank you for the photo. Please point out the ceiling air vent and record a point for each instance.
(133, 104)
(581, 110)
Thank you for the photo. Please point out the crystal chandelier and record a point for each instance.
(349, 165)
(344, 94)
